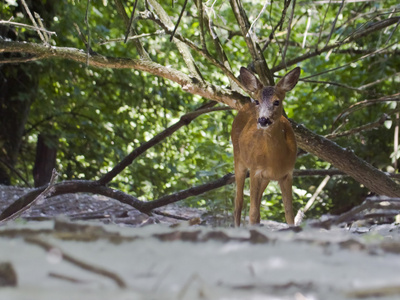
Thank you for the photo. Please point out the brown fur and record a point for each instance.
(268, 153)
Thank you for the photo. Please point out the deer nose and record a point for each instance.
(264, 121)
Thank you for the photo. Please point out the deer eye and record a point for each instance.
(256, 102)
(276, 103)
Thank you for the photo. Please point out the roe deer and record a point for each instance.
(264, 144)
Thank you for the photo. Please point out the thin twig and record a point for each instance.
(39, 19)
(184, 120)
(30, 27)
(279, 24)
(11, 167)
(33, 21)
(139, 47)
(372, 28)
(322, 25)
(334, 23)
(200, 8)
(289, 30)
(364, 103)
(134, 37)
(307, 28)
(88, 33)
(259, 15)
(359, 129)
(301, 213)
(348, 64)
(81, 36)
(391, 34)
(179, 20)
(203, 52)
(128, 29)
(164, 18)
(260, 64)
(79, 263)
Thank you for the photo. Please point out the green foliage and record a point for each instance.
(100, 115)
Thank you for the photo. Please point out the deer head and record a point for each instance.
(268, 100)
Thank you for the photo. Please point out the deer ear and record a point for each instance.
(249, 80)
(289, 81)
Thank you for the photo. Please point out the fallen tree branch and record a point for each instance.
(379, 202)
(346, 161)
(184, 120)
(71, 187)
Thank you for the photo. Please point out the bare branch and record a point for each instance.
(200, 9)
(301, 213)
(362, 104)
(128, 29)
(224, 67)
(33, 21)
(359, 129)
(372, 28)
(334, 23)
(184, 120)
(289, 30)
(227, 179)
(139, 47)
(30, 27)
(88, 33)
(134, 37)
(348, 64)
(12, 169)
(179, 20)
(39, 19)
(260, 65)
(204, 89)
(391, 34)
(279, 24)
(345, 160)
(183, 50)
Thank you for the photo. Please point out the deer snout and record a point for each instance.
(264, 122)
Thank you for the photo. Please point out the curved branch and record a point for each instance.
(184, 120)
(189, 84)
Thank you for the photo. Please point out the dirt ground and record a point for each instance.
(115, 252)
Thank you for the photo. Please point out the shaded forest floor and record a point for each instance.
(112, 254)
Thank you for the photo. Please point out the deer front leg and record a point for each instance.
(257, 188)
(287, 198)
(240, 177)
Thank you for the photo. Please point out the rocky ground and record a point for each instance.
(116, 252)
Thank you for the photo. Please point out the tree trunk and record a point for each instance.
(45, 161)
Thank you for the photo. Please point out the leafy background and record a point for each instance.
(97, 116)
